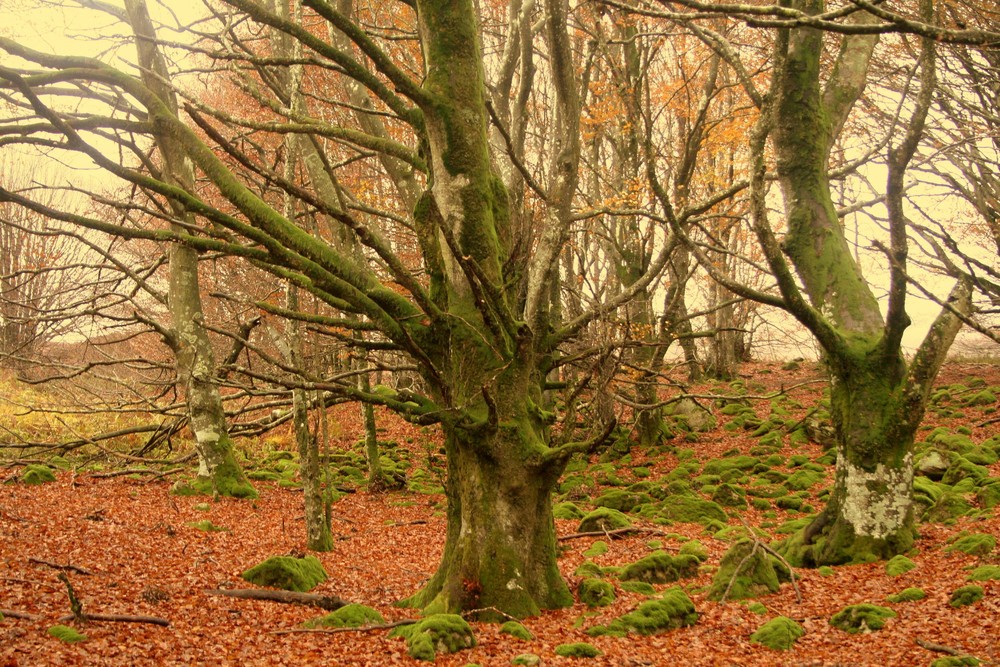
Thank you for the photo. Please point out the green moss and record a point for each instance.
(956, 661)
(516, 630)
(288, 573)
(800, 480)
(766, 490)
(527, 659)
(911, 594)
(948, 507)
(673, 610)
(689, 509)
(206, 526)
(825, 571)
(976, 544)
(640, 587)
(588, 569)
(757, 608)
(985, 397)
(985, 573)
(962, 468)
(596, 592)
(966, 595)
(661, 568)
(779, 633)
(861, 618)
(349, 616)
(445, 633)
(603, 518)
(577, 650)
(719, 466)
(728, 495)
(36, 473)
(758, 573)
(66, 634)
(898, 565)
(598, 548)
(761, 504)
(567, 511)
(988, 495)
(694, 548)
(622, 500)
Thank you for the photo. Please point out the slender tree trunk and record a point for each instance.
(218, 471)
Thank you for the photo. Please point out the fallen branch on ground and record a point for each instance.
(327, 602)
(940, 648)
(360, 628)
(57, 566)
(23, 615)
(119, 618)
(612, 533)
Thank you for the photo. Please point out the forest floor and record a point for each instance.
(135, 551)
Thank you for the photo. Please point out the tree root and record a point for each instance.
(330, 603)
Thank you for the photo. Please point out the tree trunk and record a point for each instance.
(500, 548)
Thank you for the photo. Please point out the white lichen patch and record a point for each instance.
(876, 503)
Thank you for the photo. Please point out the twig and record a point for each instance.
(360, 628)
(23, 615)
(74, 602)
(939, 648)
(121, 618)
(136, 471)
(612, 533)
(57, 566)
(329, 603)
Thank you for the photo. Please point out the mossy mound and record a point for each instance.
(720, 466)
(577, 650)
(229, 481)
(757, 608)
(622, 500)
(640, 587)
(966, 595)
(956, 661)
(206, 526)
(947, 508)
(567, 511)
(601, 519)
(689, 509)
(779, 633)
(598, 548)
(526, 659)
(673, 610)
(516, 630)
(898, 565)
(729, 495)
(985, 573)
(801, 480)
(349, 616)
(444, 633)
(64, 633)
(689, 416)
(988, 494)
(36, 473)
(907, 595)
(861, 618)
(976, 544)
(596, 592)
(962, 468)
(694, 548)
(759, 573)
(288, 573)
(661, 568)
(588, 568)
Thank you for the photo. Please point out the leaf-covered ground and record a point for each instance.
(142, 556)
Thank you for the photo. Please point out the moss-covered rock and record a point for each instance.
(720, 466)
(444, 633)
(759, 573)
(988, 493)
(516, 630)
(640, 587)
(956, 661)
(601, 519)
(976, 544)
(985, 573)
(526, 659)
(728, 495)
(962, 468)
(567, 510)
(673, 610)
(980, 398)
(690, 509)
(801, 480)
(36, 473)
(206, 526)
(688, 415)
(577, 650)
(288, 573)
(911, 594)
(661, 568)
(779, 633)
(862, 618)
(966, 595)
(598, 548)
(588, 568)
(348, 616)
(622, 500)
(64, 633)
(948, 507)
(898, 565)
(596, 592)
(694, 548)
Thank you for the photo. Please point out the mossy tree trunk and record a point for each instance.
(218, 471)
(877, 398)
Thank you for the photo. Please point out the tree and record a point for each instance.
(474, 318)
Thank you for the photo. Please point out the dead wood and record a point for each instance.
(23, 615)
(612, 533)
(939, 648)
(330, 603)
(119, 618)
(360, 628)
(57, 566)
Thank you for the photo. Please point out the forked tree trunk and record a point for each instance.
(500, 548)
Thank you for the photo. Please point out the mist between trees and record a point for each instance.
(526, 224)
